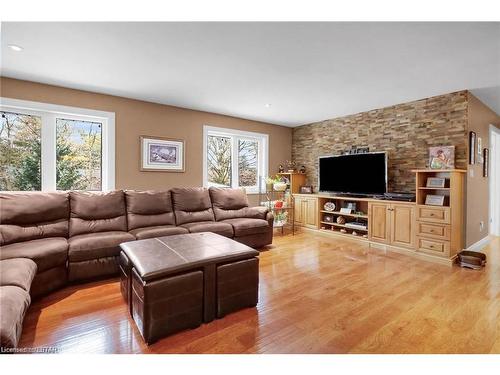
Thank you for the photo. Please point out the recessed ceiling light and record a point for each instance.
(16, 48)
(267, 105)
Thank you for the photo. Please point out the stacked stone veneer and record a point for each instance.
(404, 131)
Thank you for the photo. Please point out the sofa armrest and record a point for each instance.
(270, 218)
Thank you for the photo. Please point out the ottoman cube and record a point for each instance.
(237, 286)
(165, 306)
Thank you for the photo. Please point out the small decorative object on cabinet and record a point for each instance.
(340, 220)
(290, 166)
(281, 169)
(306, 189)
(442, 157)
(472, 147)
(329, 206)
(303, 169)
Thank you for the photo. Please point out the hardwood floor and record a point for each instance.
(317, 295)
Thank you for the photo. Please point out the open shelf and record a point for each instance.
(347, 235)
(433, 188)
(343, 226)
(338, 213)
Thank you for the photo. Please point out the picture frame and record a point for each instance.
(486, 163)
(442, 157)
(308, 189)
(472, 147)
(160, 154)
(434, 200)
(435, 182)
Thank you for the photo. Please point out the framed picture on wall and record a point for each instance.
(486, 162)
(472, 148)
(160, 154)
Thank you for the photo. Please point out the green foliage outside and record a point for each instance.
(78, 153)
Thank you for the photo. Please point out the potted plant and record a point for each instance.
(275, 183)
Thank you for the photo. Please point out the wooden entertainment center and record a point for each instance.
(432, 232)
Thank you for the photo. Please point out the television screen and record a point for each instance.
(356, 173)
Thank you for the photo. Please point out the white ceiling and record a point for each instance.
(307, 71)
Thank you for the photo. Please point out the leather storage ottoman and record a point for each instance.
(237, 286)
(171, 282)
(167, 305)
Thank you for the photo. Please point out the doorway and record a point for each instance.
(494, 173)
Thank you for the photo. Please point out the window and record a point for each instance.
(20, 152)
(234, 158)
(78, 155)
(47, 147)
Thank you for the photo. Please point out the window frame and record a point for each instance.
(236, 135)
(48, 114)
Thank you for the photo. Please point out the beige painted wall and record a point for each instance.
(135, 118)
(479, 119)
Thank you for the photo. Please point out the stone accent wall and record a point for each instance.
(405, 131)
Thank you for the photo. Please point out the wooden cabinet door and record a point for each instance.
(297, 211)
(402, 225)
(311, 212)
(379, 217)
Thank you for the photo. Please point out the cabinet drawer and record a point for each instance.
(434, 214)
(441, 232)
(434, 247)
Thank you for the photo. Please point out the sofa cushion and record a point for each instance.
(228, 199)
(14, 302)
(224, 229)
(148, 209)
(233, 203)
(27, 216)
(17, 272)
(93, 212)
(96, 245)
(245, 227)
(159, 231)
(191, 205)
(45, 252)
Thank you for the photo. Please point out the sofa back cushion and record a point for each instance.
(27, 216)
(192, 205)
(232, 204)
(93, 212)
(148, 208)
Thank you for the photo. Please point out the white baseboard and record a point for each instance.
(479, 244)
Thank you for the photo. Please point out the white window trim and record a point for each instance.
(48, 113)
(263, 164)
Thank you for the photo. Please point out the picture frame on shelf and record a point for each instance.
(434, 200)
(472, 147)
(442, 157)
(435, 182)
(160, 154)
(308, 189)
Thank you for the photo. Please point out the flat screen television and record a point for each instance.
(362, 174)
